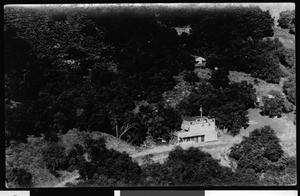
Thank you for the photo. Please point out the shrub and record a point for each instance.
(191, 77)
(289, 88)
(19, 177)
(286, 19)
(258, 151)
(98, 160)
(275, 105)
(186, 167)
(55, 158)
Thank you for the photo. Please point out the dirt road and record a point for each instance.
(70, 179)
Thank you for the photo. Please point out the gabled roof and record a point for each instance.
(200, 59)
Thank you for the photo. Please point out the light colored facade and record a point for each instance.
(197, 129)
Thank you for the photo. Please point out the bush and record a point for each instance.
(191, 77)
(286, 176)
(55, 158)
(289, 88)
(258, 151)
(244, 177)
(19, 177)
(186, 167)
(228, 105)
(29, 156)
(286, 19)
(97, 160)
(275, 105)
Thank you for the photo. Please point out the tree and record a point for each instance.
(19, 178)
(100, 161)
(219, 78)
(191, 77)
(275, 105)
(285, 176)
(259, 151)
(186, 167)
(55, 158)
(286, 19)
(159, 121)
(289, 88)
(228, 105)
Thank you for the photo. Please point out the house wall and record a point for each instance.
(200, 128)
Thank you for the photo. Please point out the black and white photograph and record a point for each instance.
(150, 95)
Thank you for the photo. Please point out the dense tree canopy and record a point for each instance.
(289, 88)
(186, 167)
(258, 151)
(287, 20)
(99, 161)
(107, 71)
(276, 104)
(19, 178)
(228, 105)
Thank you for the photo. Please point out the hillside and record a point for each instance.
(285, 37)
(75, 136)
(96, 92)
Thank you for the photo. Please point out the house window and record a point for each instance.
(208, 124)
(202, 138)
(191, 123)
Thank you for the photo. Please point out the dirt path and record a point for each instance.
(70, 179)
(220, 149)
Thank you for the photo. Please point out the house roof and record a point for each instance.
(191, 118)
(184, 134)
(194, 118)
(200, 59)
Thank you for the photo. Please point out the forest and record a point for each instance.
(106, 70)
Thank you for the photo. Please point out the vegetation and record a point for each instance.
(275, 105)
(262, 154)
(19, 177)
(97, 161)
(29, 157)
(258, 151)
(55, 158)
(289, 88)
(287, 20)
(230, 111)
(70, 73)
(186, 167)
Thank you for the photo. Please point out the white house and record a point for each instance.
(197, 129)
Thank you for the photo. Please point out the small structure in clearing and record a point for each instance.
(196, 129)
(200, 61)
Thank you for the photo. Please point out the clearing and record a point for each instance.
(284, 128)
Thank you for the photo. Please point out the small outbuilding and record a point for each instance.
(200, 60)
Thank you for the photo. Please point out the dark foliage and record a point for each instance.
(289, 88)
(228, 105)
(191, 77)
(275, 105)
(287, 20)
(258, 152)
(186, 167)
(55, 158)
(108, 164)
(19, 178)
(89, 70)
